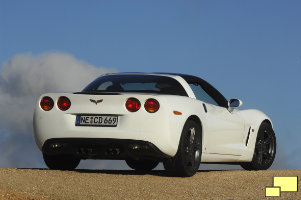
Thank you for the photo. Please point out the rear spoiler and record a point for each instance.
(98, 93)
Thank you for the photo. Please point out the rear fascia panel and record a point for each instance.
(163, 128)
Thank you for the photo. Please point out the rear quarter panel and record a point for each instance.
(188, 107)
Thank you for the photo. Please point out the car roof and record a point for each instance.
(184, 76)
(188, 78)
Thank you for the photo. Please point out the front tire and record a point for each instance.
(187, 160)
(265, 149)
(61, 162)
(144, 165)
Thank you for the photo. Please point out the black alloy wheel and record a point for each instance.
(187, 160)
(265, 149)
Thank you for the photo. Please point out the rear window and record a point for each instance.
(136, 83)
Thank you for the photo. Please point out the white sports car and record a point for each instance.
(147, 118)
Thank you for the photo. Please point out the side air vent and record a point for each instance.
(205, 108)
(247, 140)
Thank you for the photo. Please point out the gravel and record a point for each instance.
(23, 184)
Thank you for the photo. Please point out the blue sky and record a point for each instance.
(247, 49)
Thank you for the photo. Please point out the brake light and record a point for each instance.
(132, 104)
(64, 103)
(151, 105)
(46, 103)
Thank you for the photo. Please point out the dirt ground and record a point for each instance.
(25, 184)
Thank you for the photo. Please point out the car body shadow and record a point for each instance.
(161, 173)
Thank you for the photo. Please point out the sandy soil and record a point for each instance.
(22, 184)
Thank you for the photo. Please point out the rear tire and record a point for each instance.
(61, 162)
(144, 165)
(187, 160)
(265, 149)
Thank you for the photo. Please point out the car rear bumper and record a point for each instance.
(162, 129)
(96, 148)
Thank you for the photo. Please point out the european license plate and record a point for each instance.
(96, 120)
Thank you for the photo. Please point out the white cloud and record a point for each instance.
(22, 80)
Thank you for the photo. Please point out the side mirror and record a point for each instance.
(234, 103)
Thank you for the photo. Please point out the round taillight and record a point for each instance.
(64, 103)
(151, 105)
(46, 103)
(132, 104)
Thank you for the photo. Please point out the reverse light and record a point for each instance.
(63, 103)
(46, 103)
(132, 104)
(151, 105)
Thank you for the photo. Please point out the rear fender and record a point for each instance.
(187, 108)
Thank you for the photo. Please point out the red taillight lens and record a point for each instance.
(64, 103)
(151, 105)
(46, 103)
(132, 104)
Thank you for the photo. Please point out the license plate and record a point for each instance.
(96, 120)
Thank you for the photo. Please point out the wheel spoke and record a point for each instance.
(266, 154)
(259, 145)
(189, 159)
(265, 148)
(267, 143)
(268, 139)
(196, 146)
(192, 134)
(260, 156)
(197, 155)
(259, 148)
(191, 147)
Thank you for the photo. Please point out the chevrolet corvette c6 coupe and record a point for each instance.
(148, 118)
